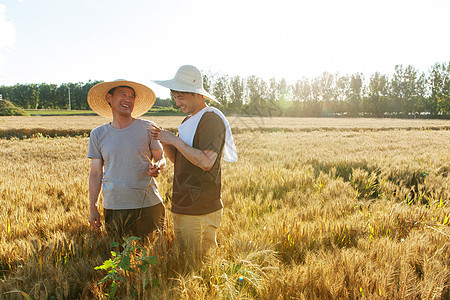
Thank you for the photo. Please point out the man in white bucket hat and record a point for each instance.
(124, 161)
(204, 137)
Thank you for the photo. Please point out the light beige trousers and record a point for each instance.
(197, 232)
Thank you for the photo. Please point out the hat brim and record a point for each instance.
(181, 87)
(144, 98)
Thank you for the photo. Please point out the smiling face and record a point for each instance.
(190, 103)
(121, 100)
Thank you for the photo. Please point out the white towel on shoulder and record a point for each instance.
(189, 127)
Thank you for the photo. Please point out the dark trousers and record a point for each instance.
(139, 222)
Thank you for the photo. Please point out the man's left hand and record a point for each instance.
(164, 136)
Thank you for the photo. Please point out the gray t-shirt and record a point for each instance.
(124, 153)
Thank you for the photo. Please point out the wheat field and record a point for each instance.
(314, 209)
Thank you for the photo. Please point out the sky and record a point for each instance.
(64, 41)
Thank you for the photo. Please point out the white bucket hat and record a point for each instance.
(144, 97)
(187, 79)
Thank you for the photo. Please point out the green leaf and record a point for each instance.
(134, 238)
(113, 290)
(143, 267)
(109, 264)
(114, 244)
(153, 260)
(155, 282)
(106, 265)
(25, 295)
(104, 279)
(125, 263)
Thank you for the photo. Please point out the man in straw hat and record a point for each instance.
(124, 160)
(204, 137)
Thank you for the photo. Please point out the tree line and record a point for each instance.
(48, 96)
(406, 93)
(52, 96)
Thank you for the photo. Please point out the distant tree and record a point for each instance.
(418, 101)
(279, 95)
(313, 107)
(375, 104)
(163, 102)
(221, 91)
(408, 90)
(257, 98)
(61, 100)
(24, 95)
(354, 100)
(84, 92)
(208, 80)
(254, 94)
(284, 90)
(272, 90)
(341, 95)
(237, 93)
(47, 92)
(323, 90)
(76, 95)
(285, 96)
(439, 82)
(444, 101)
(302, 90)
(5, 91)
(436, 80)
(343, 90)
(315, 89)
(326, 87)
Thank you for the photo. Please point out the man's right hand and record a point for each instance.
(153, 170)
(94, 219)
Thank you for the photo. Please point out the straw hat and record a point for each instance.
(187, 79)
(145, 97)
